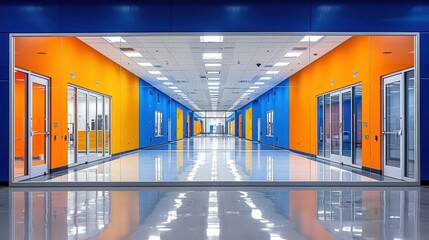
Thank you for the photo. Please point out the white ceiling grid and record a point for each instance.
(179, 58)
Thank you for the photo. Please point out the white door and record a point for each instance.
(259, 130)
(39, 122)
(393, 123)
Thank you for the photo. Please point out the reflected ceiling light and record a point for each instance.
(206, 39)
(114, 39)
(211, 88)
(281, 64)
(162, 78)
(311, 38)
(133, 54)
(154, 72)
(213, 72)
(259, 83)
(293, 54)
(272, 72)
(212, 64)
(145, 64)
(168, 83)
(213, 83)
(254, 87)
(212, 56)
(265, 78)
(250, 91)
(173, 87)
(177, 91)
(213, 79)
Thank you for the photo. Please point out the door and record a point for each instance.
(81, 127)
(92, 127)
(240, 126)
(248, 124)
(38, 136)
(335, 127)
(320, 132)
(188, 128)
(346, 133)
(179, 124)
(259, 129)
(393, 123)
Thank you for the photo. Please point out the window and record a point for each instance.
(158, 123)
(270, 123)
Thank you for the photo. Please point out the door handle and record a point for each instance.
(39, 133)
(399, 132)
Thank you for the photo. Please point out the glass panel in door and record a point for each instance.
(409, 118)
(335, 127)
(357, 125)
(71, 125)
(81, 127)
(320, 126)
(346, 127)
(100, 125)
(106, 126)
(327, 123)
(20, 163)
(92, 126)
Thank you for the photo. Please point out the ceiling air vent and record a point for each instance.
(244, 81)
(235, 92)
(127, 49)
(299, 48)
(268, 66)
(157, 66)
(182, 81)
(203, 77)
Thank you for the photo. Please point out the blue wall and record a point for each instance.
(133, 16)
(151, 99)
(276, 99)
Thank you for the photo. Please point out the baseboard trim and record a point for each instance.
(58, 169)
(372, 170)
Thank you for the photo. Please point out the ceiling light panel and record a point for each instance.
(173, 87)
(213, 83)
(208, 39)
(293, 54)
(272, 72)
(250, 91)
(212, 56)
(168, 83)
(311, 38)
(259, 83)
(155, 72)
(145, 64)
(254, 87)
(281, 64)
(133, 54)
(265, 78)
(162, 78)
(213, 72)
(213, 79)
(114, 39)
(212, 64)
(211, 88)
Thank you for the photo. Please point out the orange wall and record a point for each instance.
(360, 53)
(66, 56)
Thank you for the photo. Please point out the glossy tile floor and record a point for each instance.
(215, 213)
(212, 159)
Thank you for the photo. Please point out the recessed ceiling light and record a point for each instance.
(214, 94)
(250, 91)
(213, 83)
(259, 83)
(133, 54)
(265, 78)
(168, 83)
(311, 38)
(212, 56)
(281, 64)
(213, 88)
(211, 38)
(272, 72)
(177, 91)
(254, 87)
(154, 72)
(212, 64)
(162, 78)
(293, 54)
(114, 39)
(145, 64)
(214, 91)
(213, 79)
(213, 72)
(173, 87)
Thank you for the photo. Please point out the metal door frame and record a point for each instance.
(345, 159)
(335, 157)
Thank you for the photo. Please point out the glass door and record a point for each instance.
(107, 135)
(335, 127)
(393, 122)
(38, 139)
(346, 133)
(82, 127)
(100, 125)
(320, 137)
(71, 125)
(92, 126)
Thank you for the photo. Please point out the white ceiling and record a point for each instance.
(179, 58)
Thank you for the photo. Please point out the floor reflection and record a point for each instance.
(215, 214)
